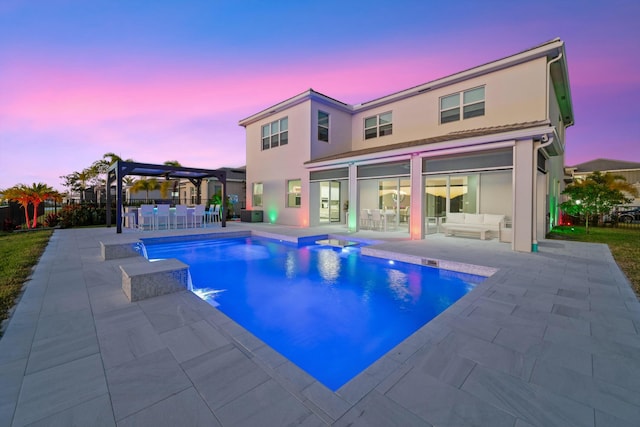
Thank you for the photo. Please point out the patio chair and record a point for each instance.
(198, 216)
(212, 214)
(129, 217)
(378, 219)
(146, 216)
(365, 218)
(181, 212)
(162, 216)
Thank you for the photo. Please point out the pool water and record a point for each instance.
(331, 311)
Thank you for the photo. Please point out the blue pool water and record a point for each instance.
(331, 311)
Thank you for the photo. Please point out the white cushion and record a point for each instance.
(493, 219)
(474, 218)
(457, 218)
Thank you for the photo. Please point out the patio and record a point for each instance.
(551, 339)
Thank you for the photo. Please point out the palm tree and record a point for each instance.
(145, 185)
(39, 193)
(33, 195)
(19, 193)
(113, 157)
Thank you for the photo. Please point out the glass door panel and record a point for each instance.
(334, 201)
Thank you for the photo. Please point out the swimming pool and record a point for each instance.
(331, 311)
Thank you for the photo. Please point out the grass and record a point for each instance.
(624, 244)
(19, 252)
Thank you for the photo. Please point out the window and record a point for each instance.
(256, 199)
(275, 134)
(379, 125)
(323, 126)
(472, 105)
(294, 187)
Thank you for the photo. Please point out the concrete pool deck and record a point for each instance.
(552, 338)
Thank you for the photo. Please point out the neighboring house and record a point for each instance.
(630, 171)
(486, 140)
(236, 188)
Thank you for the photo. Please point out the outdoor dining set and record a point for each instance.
(164, 216)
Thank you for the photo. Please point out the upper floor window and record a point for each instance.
(294, 189)
(379, 125)
(275, 133)
(256, 199)
(467, 104)
(323, 126)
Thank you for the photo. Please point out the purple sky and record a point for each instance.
(157, 80)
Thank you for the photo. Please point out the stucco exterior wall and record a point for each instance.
(273, 167)
(512, 95)
(339, 131)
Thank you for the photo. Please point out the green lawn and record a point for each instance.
(623, 242)
(19, 252)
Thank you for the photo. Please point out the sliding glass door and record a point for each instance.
(329, 202)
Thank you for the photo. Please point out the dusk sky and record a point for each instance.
(158, 80)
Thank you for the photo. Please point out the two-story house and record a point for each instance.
(486, 140)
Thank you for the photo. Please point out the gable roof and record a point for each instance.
(605, 165)
(552, 49)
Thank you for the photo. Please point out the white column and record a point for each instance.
(523, 196)
(354, 202)
(416, 217)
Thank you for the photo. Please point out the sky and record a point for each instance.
(160, 80)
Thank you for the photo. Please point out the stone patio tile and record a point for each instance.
(530, 327)
(625, 345)
(60, 349)
(17, 339)
(611, 322)
(483, 327)
(170, 311)
(63, 303)
(121, 319)
(563, 355)
(443, 405)
(95, 413)
(11, 375)
(193, 340)
(78, 322)
(265, 356)
(223, 375)
(438, 363)
(267, 404)
(619, 370)
(486, 353)
(529, 402)
(358, 387)
(129, 343)
(582, 294)
(185, 408)
(604, 419)
(332, 404)
(297, 378)
(52, 390)
(577, 325)
(377, 410)
(517, 340)
(142, 382)
(587, 390)
(105, 299)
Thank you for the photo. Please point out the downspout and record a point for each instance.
(537, 145)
